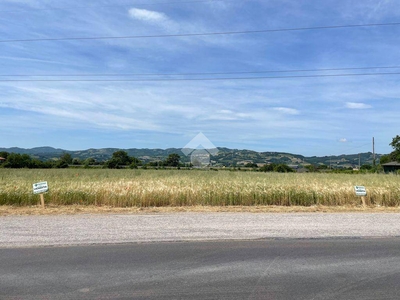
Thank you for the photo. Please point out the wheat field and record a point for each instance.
(174, 188)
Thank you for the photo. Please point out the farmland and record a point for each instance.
(172, 188)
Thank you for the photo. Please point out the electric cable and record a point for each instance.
(201, 34)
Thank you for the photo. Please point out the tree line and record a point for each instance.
(395, 154)
(119, 159)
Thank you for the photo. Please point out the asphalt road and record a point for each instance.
(351, 268)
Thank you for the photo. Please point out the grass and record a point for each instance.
(191, 188)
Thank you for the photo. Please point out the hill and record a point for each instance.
(225, 156)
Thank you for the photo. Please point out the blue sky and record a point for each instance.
(309, 116)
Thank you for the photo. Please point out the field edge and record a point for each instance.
(91, 209)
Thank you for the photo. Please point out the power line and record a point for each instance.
(197, 73)
(197, 79)
(115, 5)
(200, 34)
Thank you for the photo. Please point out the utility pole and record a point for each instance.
(373, 150)
(359, 161)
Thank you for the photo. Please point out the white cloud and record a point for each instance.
(147, 15)
(343, 140)
(357, 105)
(225, 111)
(287, 110)
(225, 115)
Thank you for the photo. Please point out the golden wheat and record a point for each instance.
(154, 188)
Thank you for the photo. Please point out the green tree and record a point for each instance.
(311, 168)
(133, 165)
(67, 158)
(396, 143)
(15, 160)
(251, 165)
(173, 160)
(282, 168)
(88, 162)
(76, 161)
(366, 167)
(323, 167)
(395, 155)
(384, 159)
(35, 164)
(64, 161)
(47, 164)
(4, 154)
(267, 168)
(121, 158)
(61, 164)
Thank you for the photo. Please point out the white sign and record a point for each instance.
(360, 190)
(40, 187)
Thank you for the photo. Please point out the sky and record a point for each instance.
(163, 86)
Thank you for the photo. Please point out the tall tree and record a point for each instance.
(173, 160)
(121, 158)
(396, 143)
(16, 160)
(64, 161)
(67, 158)
(4, 154)
(395, 155)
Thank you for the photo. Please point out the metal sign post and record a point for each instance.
(40, 188)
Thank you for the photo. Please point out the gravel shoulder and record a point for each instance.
(83, 209)
(85, 229)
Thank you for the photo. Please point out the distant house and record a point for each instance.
(391, 166)
(2, 159)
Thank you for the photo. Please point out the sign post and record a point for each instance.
(40, 188)
(361, 191)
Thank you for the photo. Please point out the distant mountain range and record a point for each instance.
(225, 156)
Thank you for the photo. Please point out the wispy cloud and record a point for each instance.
(357, 105)
(287, 110)
(148, 15)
